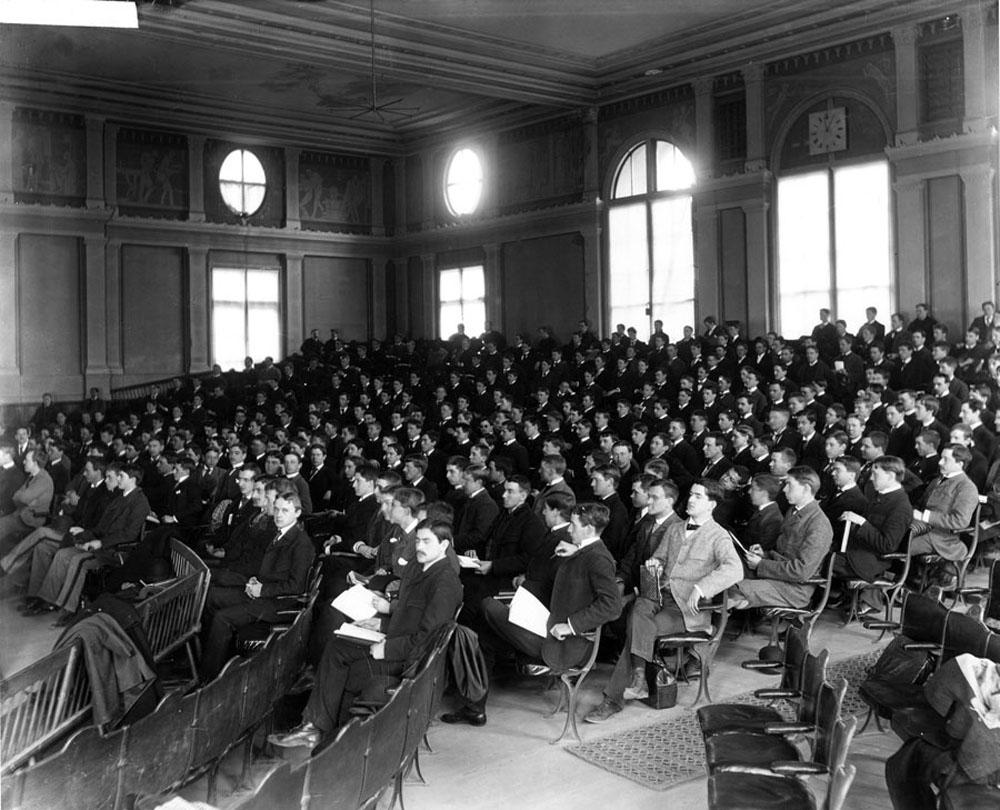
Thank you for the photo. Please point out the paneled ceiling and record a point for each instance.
(300, 70)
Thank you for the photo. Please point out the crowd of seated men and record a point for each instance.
(608, 476)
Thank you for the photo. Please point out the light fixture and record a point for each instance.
(71, 13)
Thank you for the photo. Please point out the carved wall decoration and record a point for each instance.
(675, 119)
(49, 157)
(541, 165)
(334, 192)
(152, 173)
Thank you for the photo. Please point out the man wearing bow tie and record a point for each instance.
(694, 561)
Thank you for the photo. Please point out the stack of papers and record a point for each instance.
(467, 562)
(355, 603)
(361, 635)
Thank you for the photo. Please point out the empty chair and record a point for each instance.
(756, 749)
(723, 717)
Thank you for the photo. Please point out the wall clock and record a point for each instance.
(827, 131)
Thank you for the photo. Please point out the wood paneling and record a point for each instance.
(733, 264)
(542, 283)
(946, 251)
(153, 311)
(336, 293)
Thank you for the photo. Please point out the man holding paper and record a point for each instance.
(777, 576)
(584, 596)
(429, 595)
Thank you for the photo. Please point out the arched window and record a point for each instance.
(650, 242)
(242, 182)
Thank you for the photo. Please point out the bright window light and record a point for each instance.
(464, 182)
(242, 182)
(245, 315)
(461, 300)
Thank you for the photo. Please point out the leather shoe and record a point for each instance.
(39, 609)
(465, 715)
(307, 735)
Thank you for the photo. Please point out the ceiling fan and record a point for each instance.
(375, 111)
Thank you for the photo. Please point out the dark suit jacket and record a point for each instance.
(562, 486)
(478, 516)
(518, 455)
(716, 471)
(321, 482)
(208, 483)
(184, 503)
(428, 487)
(885, 526)
(10, 482)
(122, 520)
(586, 596)
(615, 532)
(647, 540)
(427, 600)
(284, 571)
(514, 538)
(540, 573)
(853, 500)
(353, 525)
(763, 527)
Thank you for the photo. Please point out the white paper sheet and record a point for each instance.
(360, 634)
(356, 603)
(527, 612)
(467, 562)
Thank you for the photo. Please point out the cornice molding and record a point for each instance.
(936, 146)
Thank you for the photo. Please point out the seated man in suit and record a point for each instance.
(764, 524)
(57, 581)
(777, 576)
(31, 500)
(880, 530)
(284, 571)
(948, 505)
(479, 512)
(695, 560)
(429, 595)
(584, 596)
(846, 495)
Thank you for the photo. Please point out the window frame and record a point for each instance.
(462, 301)
(829, 169)
(446, 186)
(648, 198)
(242, 182)
(277, 304)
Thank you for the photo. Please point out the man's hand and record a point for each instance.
(485, 566)
(852, 517)
(378, 651)
(518, 581)
(168, 519)
(374, 623)
(753, 560)
(380, 604)
(565, 549)
(92, 545)
(691, 605)
(253, 588)
(561, 631)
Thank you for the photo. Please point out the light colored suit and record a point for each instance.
(950, 504)
(707, 559)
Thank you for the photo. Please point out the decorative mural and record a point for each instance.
(334, 192)
(541, 165)
(49, 157)
(669, 111)
(152, 172)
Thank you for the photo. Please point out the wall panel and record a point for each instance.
(153, 312)
(49, 306)
(733, 265)
(542, 283)
(336, 292)
(946, 252)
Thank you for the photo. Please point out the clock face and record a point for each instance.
(827, 131)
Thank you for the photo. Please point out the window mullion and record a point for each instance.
(832, 219)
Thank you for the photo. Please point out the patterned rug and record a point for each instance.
(664, 754)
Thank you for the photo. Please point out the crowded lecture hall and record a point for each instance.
(508, 403)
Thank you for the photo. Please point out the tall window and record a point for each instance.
(245, 317)
(834, 245)
(650, 242)
(462, 297)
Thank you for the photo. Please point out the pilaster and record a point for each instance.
(905, 41)
(200, 353)
(292, 221)
(95, 161)
(196, 178)
(294, 303)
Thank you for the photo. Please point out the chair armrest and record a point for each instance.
(768, 665)
(788, 728)
(880, 624)
(791, 767)
(814, 581)
(921, 645)
(776, 694)
(895, 555)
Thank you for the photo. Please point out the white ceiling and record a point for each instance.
(299, 70)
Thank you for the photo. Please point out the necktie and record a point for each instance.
(692, 527)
